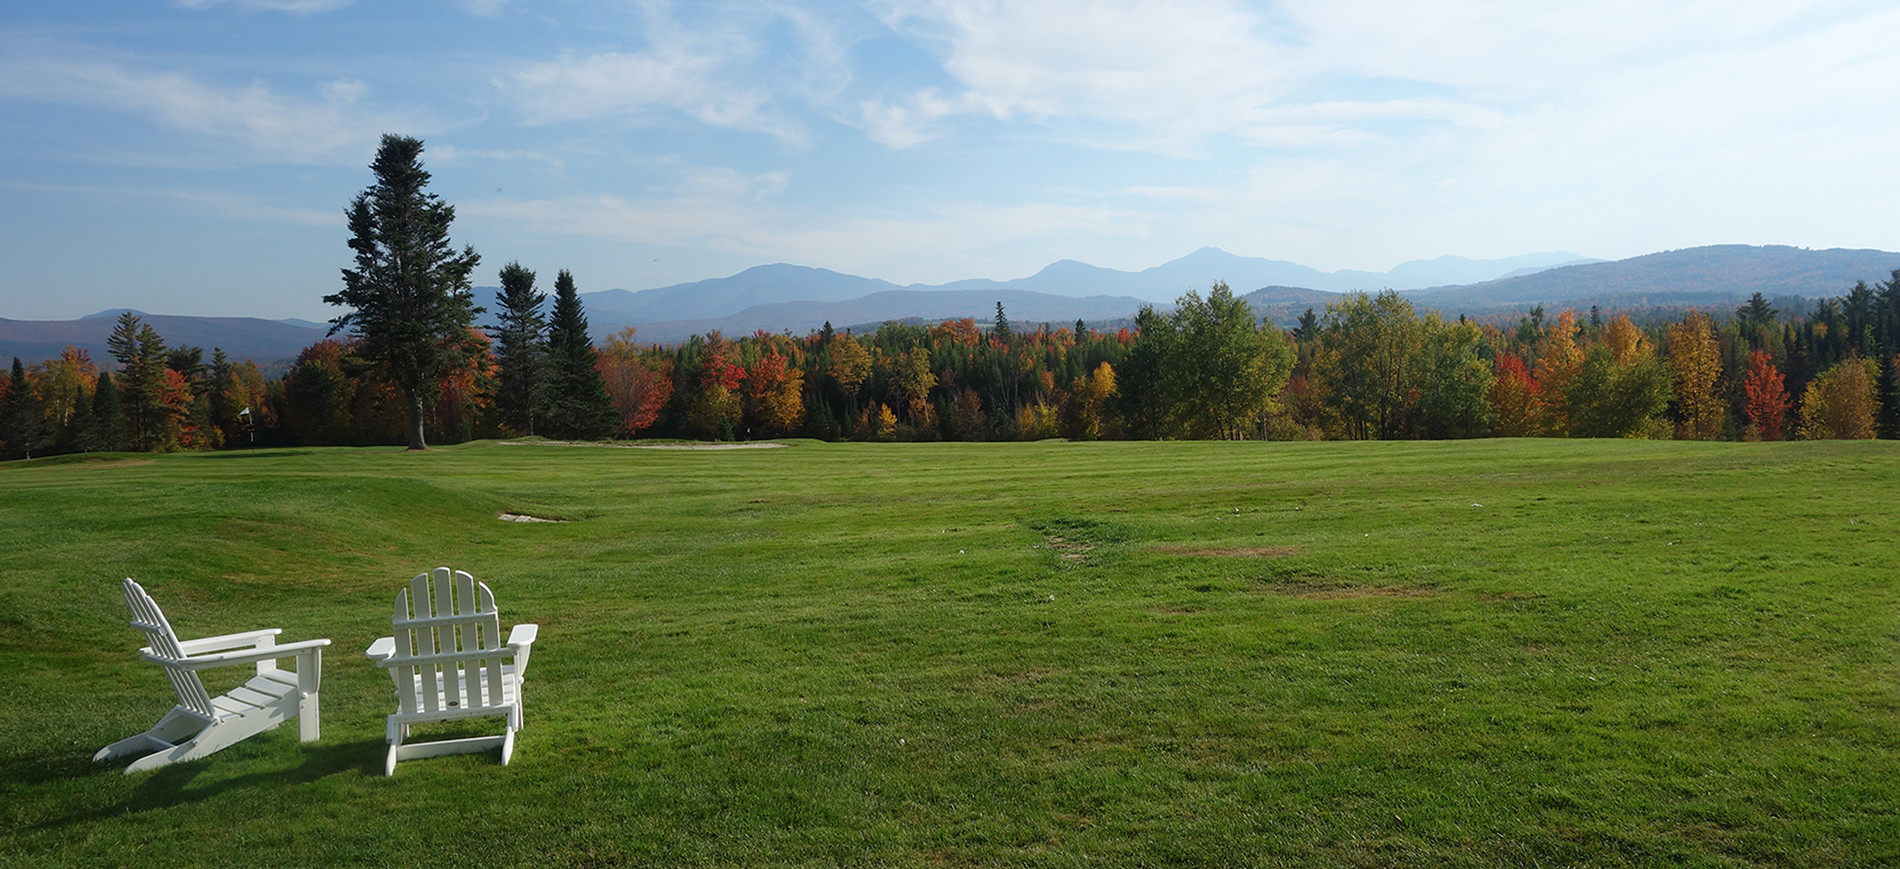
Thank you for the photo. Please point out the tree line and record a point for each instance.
(405, 364)
(1367, 367)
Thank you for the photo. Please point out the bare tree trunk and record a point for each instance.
(415, 421)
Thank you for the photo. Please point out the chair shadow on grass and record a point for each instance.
(172, 785)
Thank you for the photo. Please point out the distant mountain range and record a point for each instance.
(797, 299)
(782, 297)
(266, 341)
(1716, 274)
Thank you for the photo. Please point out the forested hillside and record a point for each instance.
(1364, 367)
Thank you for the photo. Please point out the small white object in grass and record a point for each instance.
(1476, 504)
(1052, 597)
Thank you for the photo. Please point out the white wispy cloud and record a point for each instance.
(725, 74)
(449, 152)
(267, 125)
(217, 204)
(298, 7)
(1165, 72)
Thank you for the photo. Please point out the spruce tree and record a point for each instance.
(578, 405)
(76, 435)
(141, 355)
(108, 423)
(21, 423)
(521, 350)
(410, 302)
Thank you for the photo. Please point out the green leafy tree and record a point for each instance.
(411, 308)
(1367, 363)
(578, 404)
(521, 350)
(1229, 369)
(1453, 397)
(1208, 369)
(319, 396)
(1611, 399)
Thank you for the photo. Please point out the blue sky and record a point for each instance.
(195, 157)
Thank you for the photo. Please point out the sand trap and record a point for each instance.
(523, 517)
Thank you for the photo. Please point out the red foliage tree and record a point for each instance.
(1767, 396)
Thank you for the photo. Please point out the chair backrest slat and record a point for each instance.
(447, 612)
(163, 641)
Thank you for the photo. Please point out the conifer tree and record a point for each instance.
(21, 426)
(141, 355)
(409, 298)
(521, 350)
(578, 404)
(108, 423)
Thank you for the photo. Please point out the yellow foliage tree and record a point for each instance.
(1091, 394)
(1561, 361)
(1628, 345)
(1842, 403)
(1695, 366)
(850, 365)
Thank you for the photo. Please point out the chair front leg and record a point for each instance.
(309, 679)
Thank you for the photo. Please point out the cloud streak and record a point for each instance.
(260, 122)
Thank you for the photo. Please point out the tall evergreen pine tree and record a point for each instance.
(21, 429)
(521, 351)
(578, 405)
(108, 423)
(141, 354)
(410, 303)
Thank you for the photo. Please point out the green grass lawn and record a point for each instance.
(1477, 653)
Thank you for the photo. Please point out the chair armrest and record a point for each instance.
(225, 659)
(226, 641)
(521, 640)
(381, 649)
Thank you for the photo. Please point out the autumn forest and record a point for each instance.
(1368, 367)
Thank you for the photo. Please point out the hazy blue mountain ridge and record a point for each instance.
(786, 298)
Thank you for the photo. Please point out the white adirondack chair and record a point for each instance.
(449, 662)
(201, 724)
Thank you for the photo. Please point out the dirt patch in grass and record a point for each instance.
(1075, 539)
(1328, 588)
(1362, 592)
(1066, 549)
(1233, 551)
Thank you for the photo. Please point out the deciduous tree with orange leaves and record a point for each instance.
(1767, 396)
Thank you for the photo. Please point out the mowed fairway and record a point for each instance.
(1475, 653)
